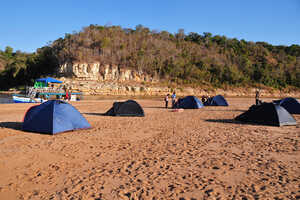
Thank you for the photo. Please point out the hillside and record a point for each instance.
(184, 59)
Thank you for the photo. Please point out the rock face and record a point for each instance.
(97, 72)
(97, 79)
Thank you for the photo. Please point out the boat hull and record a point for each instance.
(18, 99)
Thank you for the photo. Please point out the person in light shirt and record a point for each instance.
(166, 100)
(173, 99)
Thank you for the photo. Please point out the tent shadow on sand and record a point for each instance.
(224, 110)
(156, 107)
(233, 121)
(12, 125)
(228, 121)
(95, 114)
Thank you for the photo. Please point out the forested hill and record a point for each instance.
(191, 58)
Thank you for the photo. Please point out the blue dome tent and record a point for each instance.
(54, 116)
(218, 100)
(188, 102)
(290, 104)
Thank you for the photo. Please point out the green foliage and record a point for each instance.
(22, 68)
(176, 58)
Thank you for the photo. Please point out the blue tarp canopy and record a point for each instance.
(189, 102)
(48, 80)
(54, 116)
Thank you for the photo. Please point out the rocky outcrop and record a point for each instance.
(97, 79)
(109, 88)
(98, 72)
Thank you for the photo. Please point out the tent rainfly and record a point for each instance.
(218, 100)
(290, 104)
(54, 116)
(188, 102)
(267, 114)
(128, 108)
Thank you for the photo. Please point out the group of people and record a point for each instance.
(206, 98)
(173, 97)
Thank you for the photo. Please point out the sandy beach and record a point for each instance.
(189, 155)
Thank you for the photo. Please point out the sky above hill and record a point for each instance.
(26, 25)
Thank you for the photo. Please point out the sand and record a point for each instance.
(193, 154)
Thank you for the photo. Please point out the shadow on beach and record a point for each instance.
(214, 110)
(228, 121)
(11, 125)
(156, 107)
(96, 114)
(232, 121)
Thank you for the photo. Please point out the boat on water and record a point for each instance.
(45, 89)
(20, 99)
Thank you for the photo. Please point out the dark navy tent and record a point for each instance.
(267, 114)
(290, 104)
(218, 100)
(54, 116)
(127, 108)
(188, 102)
(48, 80)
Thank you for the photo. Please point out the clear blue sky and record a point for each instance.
(30, 24)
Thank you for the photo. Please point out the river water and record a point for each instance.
(5, 98)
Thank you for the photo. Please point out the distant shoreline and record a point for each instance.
(231, 94)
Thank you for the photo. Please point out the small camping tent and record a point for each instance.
(218, 100)
(127, 108)
(267, 114)
(188, 102)
(290, 104)
(54, 116)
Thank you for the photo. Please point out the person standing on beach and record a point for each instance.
(67, 95)
(173, 99)
(257, 95)
(167, 100)
(204, 99)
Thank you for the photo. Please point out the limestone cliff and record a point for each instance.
(97, 79)
(98, 72)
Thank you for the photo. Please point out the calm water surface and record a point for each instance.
(5, 98)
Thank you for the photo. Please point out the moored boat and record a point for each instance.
(22, 99)
(45, 89)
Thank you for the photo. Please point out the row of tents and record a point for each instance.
(192, 102)
(276, 113)
(55, 116)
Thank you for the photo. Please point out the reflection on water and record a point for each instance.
(4, 100)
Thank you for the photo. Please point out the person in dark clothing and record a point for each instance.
(204, 99)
